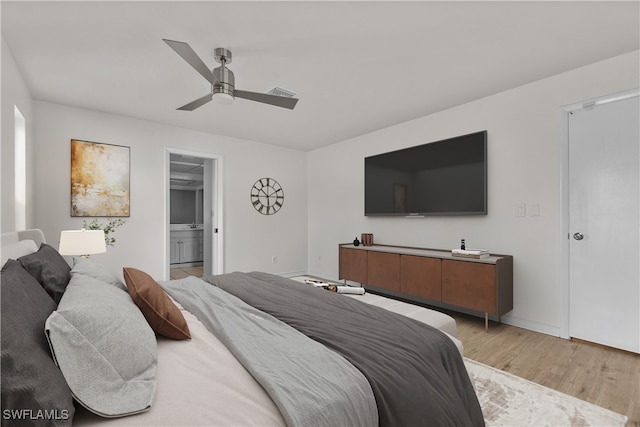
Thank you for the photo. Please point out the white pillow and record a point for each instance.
(18, 249)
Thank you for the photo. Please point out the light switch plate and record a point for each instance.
(534, 209)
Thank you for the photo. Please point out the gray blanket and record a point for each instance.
(416, 372)
(310, 384)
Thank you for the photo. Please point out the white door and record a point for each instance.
(604, 224)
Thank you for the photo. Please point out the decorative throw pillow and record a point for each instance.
(104, 347)
(49, 269)
(87, 267)
(161, 313)
(31, 382)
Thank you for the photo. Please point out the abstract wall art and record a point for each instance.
(99, 179)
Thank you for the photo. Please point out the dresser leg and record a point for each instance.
(486, 322)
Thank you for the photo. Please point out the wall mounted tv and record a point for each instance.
(447, 177)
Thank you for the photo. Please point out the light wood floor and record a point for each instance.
(181, 273)
(601, 375)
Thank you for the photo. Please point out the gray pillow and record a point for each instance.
(88, 267)
(30, 379)
(104, 347)
(49, 269)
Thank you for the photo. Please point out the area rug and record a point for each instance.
(508, 400)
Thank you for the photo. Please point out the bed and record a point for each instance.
(250, 349)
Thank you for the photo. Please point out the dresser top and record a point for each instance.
(425, 252)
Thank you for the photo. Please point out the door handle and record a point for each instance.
(578, 236)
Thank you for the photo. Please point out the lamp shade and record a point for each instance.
(82, 242)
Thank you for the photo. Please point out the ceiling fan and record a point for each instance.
(223, 89)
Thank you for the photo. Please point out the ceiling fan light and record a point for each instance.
(222, 98)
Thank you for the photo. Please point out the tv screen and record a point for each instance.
(447, 177)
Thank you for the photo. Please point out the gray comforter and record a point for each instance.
(416, 372)
(310, 384)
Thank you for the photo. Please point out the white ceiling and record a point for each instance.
(356, 66)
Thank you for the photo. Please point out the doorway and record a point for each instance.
(601, 199)
(193, 213)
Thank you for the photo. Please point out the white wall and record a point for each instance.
(525, 134)
(251, 239)
(14, 93)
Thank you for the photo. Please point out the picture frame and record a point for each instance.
(100, 179)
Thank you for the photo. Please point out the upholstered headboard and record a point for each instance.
(15, 244)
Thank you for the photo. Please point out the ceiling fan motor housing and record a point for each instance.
(225, 81)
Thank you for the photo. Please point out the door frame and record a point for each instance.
(213, 228)
(564, 197)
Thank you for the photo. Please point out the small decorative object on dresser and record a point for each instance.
(470, 253)
(367, 239)
(356, 242)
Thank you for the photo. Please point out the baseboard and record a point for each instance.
(187, 264)
(543, 328)
(289, 274)
(329, 277)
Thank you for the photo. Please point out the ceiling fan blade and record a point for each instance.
(188, 54)
(197, 103)
(278, 101)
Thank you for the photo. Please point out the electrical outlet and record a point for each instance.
(274, 259)
(521, 209)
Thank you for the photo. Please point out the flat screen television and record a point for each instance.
(447, 177)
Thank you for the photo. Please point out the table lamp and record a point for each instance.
(82, 242)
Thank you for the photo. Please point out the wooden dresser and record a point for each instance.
(432, 276)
